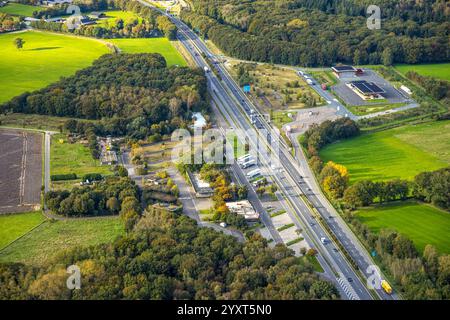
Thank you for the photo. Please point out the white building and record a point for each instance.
(244, 208)
(199, 120)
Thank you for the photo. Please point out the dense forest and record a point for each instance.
(167, 256)
(312, 33)
(130, 91)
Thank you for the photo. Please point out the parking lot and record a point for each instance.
(390, 94)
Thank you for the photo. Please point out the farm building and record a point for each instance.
(340, 71)
(243, 208)
(366, 90)
(85, 21)
(97, 15)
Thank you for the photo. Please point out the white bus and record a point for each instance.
(253, 174)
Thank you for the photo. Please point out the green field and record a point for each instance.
(437, 70)
(13, 226)
(20, 9)
(73, 158)
(44, 59)
(51, 237)
(151, 45)
(112, 16)
(421, 223)
(395, 153)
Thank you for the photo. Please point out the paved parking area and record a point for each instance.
(351, 98)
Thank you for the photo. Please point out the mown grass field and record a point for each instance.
(13, 226)
(436, 70)
(112, 16)
(421, 223)
(395, 153)
(51, 237)
(73, 158)
(44, 59)
(151, 45)
(18, 9)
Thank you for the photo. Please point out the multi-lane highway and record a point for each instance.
(312, 213)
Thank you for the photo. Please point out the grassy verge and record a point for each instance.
(292, 242)
(278, 213)
(285, 227)
(315, 263)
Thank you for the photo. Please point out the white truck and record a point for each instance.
(244, 158)
(254, 173)
(248, 164)
(310, 82)
(206, 69)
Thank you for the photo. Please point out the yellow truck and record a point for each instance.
(386, 287)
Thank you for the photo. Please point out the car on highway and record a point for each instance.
(324, 240)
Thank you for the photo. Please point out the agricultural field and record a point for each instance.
(151, 45)
(437, 70)
(75, 158)
(18, 9)
(275, 87)
(13, 226)
(395, 153)
(44, 58)
(422, 223)
(45, 241)
(20, 170)
(112, 16)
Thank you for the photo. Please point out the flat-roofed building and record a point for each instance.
(340, 71)
(366, 90)
(243, 208)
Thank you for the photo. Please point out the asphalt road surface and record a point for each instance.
(234, 102)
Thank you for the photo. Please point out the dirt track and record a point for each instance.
(20, 170)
